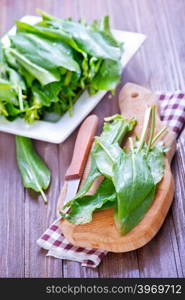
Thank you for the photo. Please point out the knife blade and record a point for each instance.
(81, 150)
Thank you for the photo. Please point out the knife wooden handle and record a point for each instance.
(82, 147)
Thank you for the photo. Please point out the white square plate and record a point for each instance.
(57, 132)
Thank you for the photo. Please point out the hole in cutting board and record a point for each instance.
(134, 95)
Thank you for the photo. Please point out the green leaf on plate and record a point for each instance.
(57, 53)
(44, 76)
(45, 53)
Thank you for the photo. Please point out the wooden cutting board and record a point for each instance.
(101, 232)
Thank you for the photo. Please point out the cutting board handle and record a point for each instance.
(131, 90)
(82, 147)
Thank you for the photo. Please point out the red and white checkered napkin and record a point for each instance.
(172, 112)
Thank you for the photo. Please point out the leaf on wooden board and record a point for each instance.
(114, 130)
(134, 174)
(82, 209)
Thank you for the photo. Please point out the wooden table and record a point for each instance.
(159, 65)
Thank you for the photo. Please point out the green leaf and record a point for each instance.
(114, 130)
(134, 175)
(53, 34)
(107, 157)
(7, 91)
(105, 26)
(43, 96)
(1, 53)
(3, 109)
(48, 65)
(28, 77)
(16, 79)
(10, 59)
(45, 53)
(45, 15)
(44, 76)
(130, 220)
(35, 174)
(33, 113)
(155, 160)
(94, 43)
(133, 182)
(93, 174)
(108, 76)
(82, 209)
(12, 111)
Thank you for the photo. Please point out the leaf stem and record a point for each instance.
(128, 126)
(20, 98)
(131, 144)
(145, 127)
(44, 196)
(68, 78)
(158, 135)
(70, 107)
(152, 130)
(104, 148)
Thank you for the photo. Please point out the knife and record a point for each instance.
(81, 150)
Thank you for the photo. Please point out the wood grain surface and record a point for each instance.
(159, 65)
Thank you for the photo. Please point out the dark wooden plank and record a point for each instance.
(156, 259)
(174, 20)
(12, 195)
(177, 44)
(120, 265)
(178, 211)
(11, 211)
